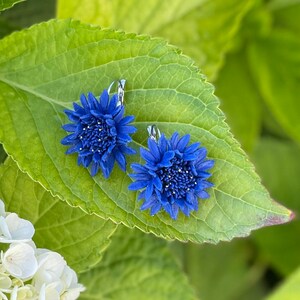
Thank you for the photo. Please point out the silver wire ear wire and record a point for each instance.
(121, 89)
(154, 132)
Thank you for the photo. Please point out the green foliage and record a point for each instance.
(229, 262)
(181, 101)
(290, 290)
(138, 265)
(80, 238)
(243, 106)
(203, 29)
(5, 4)
(279, 165)
(250, 49)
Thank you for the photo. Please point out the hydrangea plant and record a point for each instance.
(28, 272)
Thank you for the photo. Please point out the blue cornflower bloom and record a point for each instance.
(99, 133)
(174, 175)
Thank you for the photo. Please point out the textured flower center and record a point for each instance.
(178, 179)
(97, 136)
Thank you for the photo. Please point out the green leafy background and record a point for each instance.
(250, 51)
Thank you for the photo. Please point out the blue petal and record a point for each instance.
(73, 149)
(137, 185)
(126, 150)
(157, 183)
(119, 115)
(87, 160)
(153, 147)
(84, 102)
(149, 191)
(120, 158)
(182, 143)
(126, 120)
(113, 102)
(166, 160)
(146, 155)
(107, 166)
(71, 115)
(104, 98)
(94, 168)
(163, 144)
(174, 140)
(126, 129)
(70, 127)
(69, 139)
(142, 195)
(205, 165)
(148, 203)
(79, 109)
(92, 101)
(202, 194)
(138, 168)
(192, 148)
(141, 176)
(201, 154)
(155, 208)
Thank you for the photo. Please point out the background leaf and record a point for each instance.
(164, 87)
(289, 290)
(136, 266)
(278, 164)
(275, 62)
(240, 99)
(5, 4)
(203, 29)
(79, 238)
(223, 265)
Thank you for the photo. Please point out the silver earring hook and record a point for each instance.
(154, 132)
(121, 89)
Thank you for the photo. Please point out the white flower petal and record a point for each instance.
(2, 296)
(50, 291)
(19, 261)
(19, 229)
(2, 209)
(23, 293)
(73, 293)
(5, 282)
(4, 231)
(50, 268)
(71, 286)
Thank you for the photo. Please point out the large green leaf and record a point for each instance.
(203, 29)
(289, 290)
(240, 99)
(279, 165)
(229, 263)
(136, 266)
(275, 62)
(50, 65)
(80, 238)
(5, 4)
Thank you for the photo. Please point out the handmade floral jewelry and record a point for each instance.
(174, 175)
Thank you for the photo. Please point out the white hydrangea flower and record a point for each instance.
(71, 286)
(50, 268)
(23, 293)
(13, 229)
(50, 291)
(20, 261)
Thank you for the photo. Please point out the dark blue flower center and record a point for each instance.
(178, 179)
(97, 136)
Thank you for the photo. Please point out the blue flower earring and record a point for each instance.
(174, 175)
(99, 131)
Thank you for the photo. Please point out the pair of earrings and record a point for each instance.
(174, 175)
